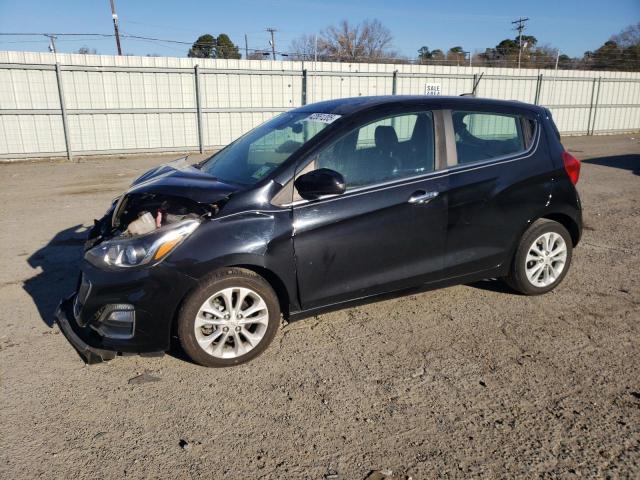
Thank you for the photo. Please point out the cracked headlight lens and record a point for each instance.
(145, 249)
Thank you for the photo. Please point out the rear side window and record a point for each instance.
(483, 136)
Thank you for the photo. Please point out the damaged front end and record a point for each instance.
(167, 195)
(143, 228)
(120, 302)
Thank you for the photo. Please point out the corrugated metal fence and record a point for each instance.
(65, 104)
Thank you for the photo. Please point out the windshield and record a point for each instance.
(256, 154)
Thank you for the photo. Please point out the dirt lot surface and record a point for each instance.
(470, 381)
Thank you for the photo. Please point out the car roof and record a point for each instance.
(349, 106)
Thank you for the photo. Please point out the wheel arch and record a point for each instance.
(274, 281)
(567, 222)
(562, 218)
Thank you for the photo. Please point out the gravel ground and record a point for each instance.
(469, 381)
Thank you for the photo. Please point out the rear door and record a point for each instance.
(387, 231)
(500, 178)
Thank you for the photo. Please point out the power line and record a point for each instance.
(619, 59)
(23, 34)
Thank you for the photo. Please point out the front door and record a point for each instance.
(387, 231)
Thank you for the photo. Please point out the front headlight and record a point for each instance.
(142, 250)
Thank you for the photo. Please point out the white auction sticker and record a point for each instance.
(322, 117)
(432, 89)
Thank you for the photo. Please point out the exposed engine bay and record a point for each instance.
(134, 215)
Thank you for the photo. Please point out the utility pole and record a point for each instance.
(246, 47)
(52, 42)
(520, 28)
(315, 49)
(273, 41)
(114, 15)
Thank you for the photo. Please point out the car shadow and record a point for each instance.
(58, 261)
(629, 162)
(493, 285)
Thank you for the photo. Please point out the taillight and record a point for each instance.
(571, 166)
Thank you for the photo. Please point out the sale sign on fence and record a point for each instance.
(432, 89)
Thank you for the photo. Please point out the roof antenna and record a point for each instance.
(476, 82)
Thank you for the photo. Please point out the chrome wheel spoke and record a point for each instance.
(257, 306)
(212, 310)
(252, 338)
(262, 319)
(547, 274)
(205, 341)
(239, 347)
(533, 256)
(534, 273)
(557, 269)
(219, 348)
(242, 295)
(227, 297)
(201, 320)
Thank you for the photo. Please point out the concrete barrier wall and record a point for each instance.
(65, 104)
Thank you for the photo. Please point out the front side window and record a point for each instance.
(256, 154)
(393, 147)
(483, 136)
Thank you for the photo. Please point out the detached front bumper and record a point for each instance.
(122, 312)
(77, 335)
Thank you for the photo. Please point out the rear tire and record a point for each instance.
(230, 319)
(542, 259)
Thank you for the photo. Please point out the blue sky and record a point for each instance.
(572, 26)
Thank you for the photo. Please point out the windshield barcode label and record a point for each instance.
(322, 117)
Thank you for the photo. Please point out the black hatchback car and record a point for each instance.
(324, 206)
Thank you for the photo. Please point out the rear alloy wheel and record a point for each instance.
(230, 319)
(546, 259)
(542, 258)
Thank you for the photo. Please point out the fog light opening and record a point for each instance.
(116, 321)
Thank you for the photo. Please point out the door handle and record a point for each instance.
(421, 197)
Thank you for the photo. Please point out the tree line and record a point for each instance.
(370, 41)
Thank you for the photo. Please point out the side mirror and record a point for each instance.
(320, 183)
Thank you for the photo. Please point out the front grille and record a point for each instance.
(81, 297)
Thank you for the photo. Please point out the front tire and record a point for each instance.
(230, 319)
(542, 258)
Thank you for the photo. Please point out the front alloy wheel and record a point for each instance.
(230, 319)
(231, 322)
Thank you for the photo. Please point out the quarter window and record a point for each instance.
(483, 136)
(391, 148)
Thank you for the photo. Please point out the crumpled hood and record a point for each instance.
(179, 179)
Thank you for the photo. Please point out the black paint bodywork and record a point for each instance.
(332, 252)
